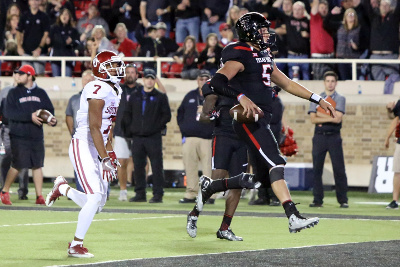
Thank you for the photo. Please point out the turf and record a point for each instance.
(141, 230)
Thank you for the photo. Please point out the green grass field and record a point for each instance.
(40, 237)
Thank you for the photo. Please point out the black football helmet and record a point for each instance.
(248, 27)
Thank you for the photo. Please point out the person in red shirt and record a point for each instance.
(122, 43)
(321, 42)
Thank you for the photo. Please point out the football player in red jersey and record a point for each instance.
(247, 72)
(90, 150)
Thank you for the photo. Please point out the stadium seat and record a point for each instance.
(77, 72)
(164, 68)
(6, 68)
(200, 46)
(48, 72)
(175, 70)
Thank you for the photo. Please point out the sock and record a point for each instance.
(86, 214)
(226, 222)
(78, 197)
(194, 212)
(74, 243)
(290, 207)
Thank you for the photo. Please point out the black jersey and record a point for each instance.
(223, 124)
(255, 80)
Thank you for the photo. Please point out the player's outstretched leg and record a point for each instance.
(208, 187)
(55, 192)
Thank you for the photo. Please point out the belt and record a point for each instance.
(318, 55)
(327, 133)
(296, 54)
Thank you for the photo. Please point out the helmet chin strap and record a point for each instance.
(114, 79)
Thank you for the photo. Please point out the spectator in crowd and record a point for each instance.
(90, 150)
(196, 138)
(187, 55)
(87, 23)
(11, 48)
(154, 11)
(152, 107)
(243, 11)
(122, 43)
(170, 45)
(281, 40)
(33, 30)
(348, 41)
(297, 30)
(327, 139)
(88, 52)
(106, 12)
(71, 110)
(365, 26)
(26, 130)
(122, 145)
(54, 8)
(394, 113)
(384, 42)
(212, 16)
(128, 12)
(321, 42)
(64, 41)
(5, 149)
(269, 10)
(187, 14)
(233, 16)
(211, 54)
(226, 33)
(150, 45)
(101, 42)
(334, 18)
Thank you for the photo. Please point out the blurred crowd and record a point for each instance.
(193, 33)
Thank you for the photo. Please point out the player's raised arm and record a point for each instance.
(299, 90)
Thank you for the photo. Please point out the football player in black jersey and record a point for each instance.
(229, 156)
(247, 72)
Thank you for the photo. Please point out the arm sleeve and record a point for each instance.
(341, 104)
(313, 108)
(68, 110)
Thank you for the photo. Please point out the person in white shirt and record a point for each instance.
(90, 150)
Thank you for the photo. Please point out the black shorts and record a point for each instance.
(229, 154)
(264, 152)
(26, 153)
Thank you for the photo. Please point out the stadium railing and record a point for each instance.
(159, 60)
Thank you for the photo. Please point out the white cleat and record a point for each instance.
(298, 223)
(191, 227)
(55, 192)
(123, 195)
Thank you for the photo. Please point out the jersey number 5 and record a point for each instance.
(266, 75)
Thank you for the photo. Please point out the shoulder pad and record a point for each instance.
(235, 51)
(97, 90)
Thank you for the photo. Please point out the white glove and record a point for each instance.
(109, 171)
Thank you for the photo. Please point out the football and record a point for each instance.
(237, 111)
(45, 115)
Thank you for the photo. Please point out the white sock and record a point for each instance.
(74, 243)
(78, 197)
(86, 214)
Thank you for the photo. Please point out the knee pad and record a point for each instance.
(277, 173)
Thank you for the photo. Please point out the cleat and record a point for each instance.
(5, 198)
(40, 200)
(247, 181)
(228, 235)
(55, 192)
(344, 205)
(392, 205)
(191, 227)
(298, 222)
(123, 195)
(205, 192)
(79, 251)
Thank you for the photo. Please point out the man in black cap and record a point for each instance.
(196, 138)
(146, 114)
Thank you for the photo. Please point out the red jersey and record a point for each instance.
(321, 41)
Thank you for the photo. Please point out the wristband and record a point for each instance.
(315, 98)
(239, 97)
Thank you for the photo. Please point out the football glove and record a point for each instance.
(113, 158)
(109, 169)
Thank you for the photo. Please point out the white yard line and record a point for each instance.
(98, 220)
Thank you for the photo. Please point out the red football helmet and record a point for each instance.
(102, 63)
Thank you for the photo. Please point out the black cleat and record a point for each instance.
(393, 205)
(228, 235)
